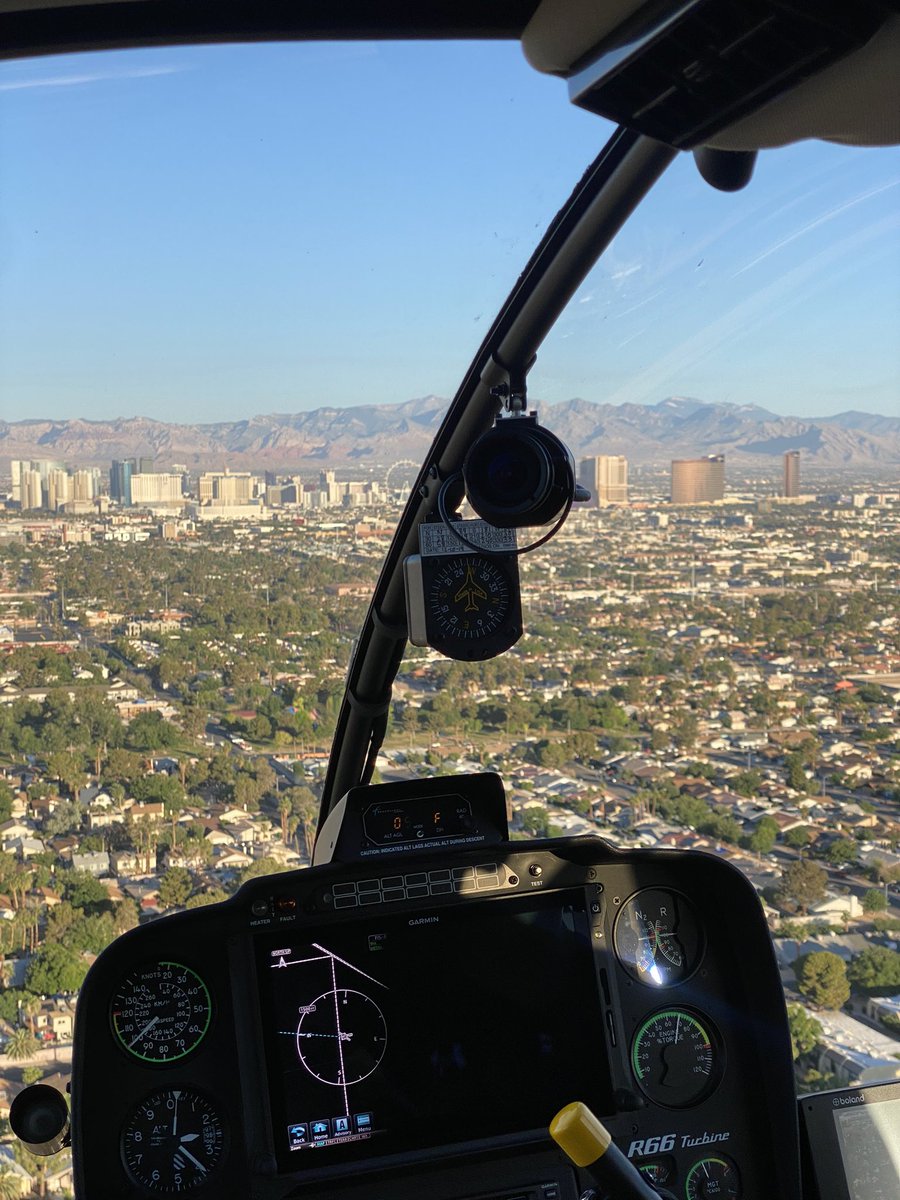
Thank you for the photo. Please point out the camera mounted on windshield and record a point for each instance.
(462, 588)
(518, 474)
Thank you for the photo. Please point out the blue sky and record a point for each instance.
(209, 233)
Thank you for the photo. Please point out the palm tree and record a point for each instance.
(293, 823)
(284, 809)
(21, 1045)
(10, 1184)
(31, 1006)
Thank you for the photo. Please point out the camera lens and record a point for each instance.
(518, 474)
(39, 1117)
(516, 471)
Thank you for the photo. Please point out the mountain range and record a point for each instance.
(676, 427)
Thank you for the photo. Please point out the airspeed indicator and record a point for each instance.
(160, 1012)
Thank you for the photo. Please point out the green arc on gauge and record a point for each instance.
(676, 1014)
(727, 1169)
(135, 978)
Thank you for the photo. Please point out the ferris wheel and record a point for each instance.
(400, 477)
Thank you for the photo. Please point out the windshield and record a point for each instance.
(239, 287)
(215, 233)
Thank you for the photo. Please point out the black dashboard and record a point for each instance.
(409, 1025)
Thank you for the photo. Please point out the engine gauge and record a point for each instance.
(674, 1058)
(712, 1177)
(161, 1012)
(658, 938)
(173, 1141)
(659, 1173)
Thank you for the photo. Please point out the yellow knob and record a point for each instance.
(579, 1134)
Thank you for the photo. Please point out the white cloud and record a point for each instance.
(19, 85)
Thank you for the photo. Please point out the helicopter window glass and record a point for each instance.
(782, 297)
(214, 233)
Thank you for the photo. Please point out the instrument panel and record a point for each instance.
(376, 1029)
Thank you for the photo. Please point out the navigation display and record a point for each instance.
(869, 1137)
(408, 1031)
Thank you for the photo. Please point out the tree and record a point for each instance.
(21, 1044)
(124, 765)
(6, 801)
(125, 915)
(796, 775)
(841, 851)
(210, 896)
(536, 821)
(175, 886)
(54, 969)
(762, 839)
(31, 1075)
(150, 731)
(247, 792)
(802, 883)
(66, 818)
(60, 919)
(91, 934)
(685, 731)
(305, 808)
(68, 768)
(83, 891)
(874, 901)
(806, 1032)
(798, 838)
(882, 873)
(284, 811)
(822, 978)
(262, 866)
(876, 969)
(550, 754)
(31, 1006)
(10, 1184)
(747, 783)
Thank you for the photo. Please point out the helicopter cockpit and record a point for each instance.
(407, 1015)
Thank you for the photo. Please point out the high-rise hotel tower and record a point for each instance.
(698, 480)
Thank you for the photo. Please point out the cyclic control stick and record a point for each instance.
(587, 1142)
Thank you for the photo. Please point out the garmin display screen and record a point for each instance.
(371, 1015)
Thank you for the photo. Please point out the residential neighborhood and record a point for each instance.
(722, 678)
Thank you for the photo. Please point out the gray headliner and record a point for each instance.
(855, 101)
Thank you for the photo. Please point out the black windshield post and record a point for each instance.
(612, 187)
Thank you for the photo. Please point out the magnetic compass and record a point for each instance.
(472, 604)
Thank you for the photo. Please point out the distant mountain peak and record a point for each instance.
(674, 427)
